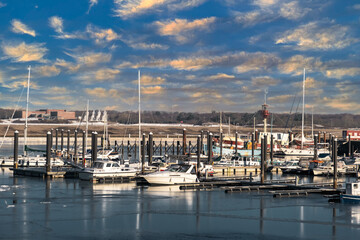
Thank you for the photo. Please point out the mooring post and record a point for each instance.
(315, 147)
(210, 148)
(83, 148)
(128, 148)
(68, 145)
(256, 136)
(262, 161)
(335, 162)
(221, 144)
(75, 147)
(236, 143)
(16, 149)
(56, 139)
(102, 142)
(252, 146)
(349, 146)
(48, 152)
(250, 177)
(151, 147)
(143, 153)
(173, 148)
(189, 148)
(265, 152)
(160, 147)
(272, 149)
(62, 141)
(52, 140)
(184, 142)
(94, 147)
(330, 144)
(198, 157)
(201, 141)
(324, 137)
(178, 148)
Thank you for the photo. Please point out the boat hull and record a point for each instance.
(85, 175)
(349, 198)
(170, 180)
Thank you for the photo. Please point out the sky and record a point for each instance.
(193, 55)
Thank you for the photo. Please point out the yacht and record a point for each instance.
(107, 169)
(175, 174)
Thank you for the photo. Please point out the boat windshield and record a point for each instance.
(179, 168)
(98, 165)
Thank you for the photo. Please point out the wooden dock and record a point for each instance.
(39, 172)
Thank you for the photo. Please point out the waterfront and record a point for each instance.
(68, 208)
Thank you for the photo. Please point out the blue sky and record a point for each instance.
(194, 55)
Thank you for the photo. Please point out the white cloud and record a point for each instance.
(101, 35)
(2, 4)
(318, 36)
(57, 23)
(130, 8)
(102, 74)
(19, 27)
(91, 4)
(265, 3)
(183, 29)
(264, 81)
(293, 11)
(48, 71)
(147, 80)
(25, 52)
(339, 73)
(146, 46)
(90, 58)
(357, 6)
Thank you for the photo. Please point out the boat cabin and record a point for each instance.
(353, 188)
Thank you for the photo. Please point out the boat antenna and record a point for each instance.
(27, 111)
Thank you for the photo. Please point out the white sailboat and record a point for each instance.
(303, 152)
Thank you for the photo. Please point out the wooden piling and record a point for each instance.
(236, 143)
(252, 146)
(198, 156)
(56, 139)
(68, 145)
(62, 140)
(143, 153)
(189, 148)
(272, 149)
(221, 144)
(315, 147)
(160, 146)
(210, 148)
(151, 147)
(178, 148)
(335, 162)
(350, 153)
(201, 140)
(262, 162)
(83, 148)
(184, 142)
(48, 152)
(16, 149)
(93, 147)
(324, 137)
(75, 148)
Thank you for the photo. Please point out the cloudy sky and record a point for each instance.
(194, 55)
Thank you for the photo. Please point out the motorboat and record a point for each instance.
(291, 167)
(175, 174)
(104, 154)
(305, 152)
(352, 194)
(237, 161)
(327, 168)
(6, 161)
(107, 169)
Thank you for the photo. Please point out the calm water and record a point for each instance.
(32, 208)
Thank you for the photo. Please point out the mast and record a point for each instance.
(303, 113)
(27, 111)
(139, 116)
(87, 124)
(229, 127)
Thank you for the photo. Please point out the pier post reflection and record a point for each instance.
(334, 223)
(261, 215)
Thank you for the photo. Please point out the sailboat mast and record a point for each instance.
(27, 111)
(312, 123)
(139, 115)
(303, 113)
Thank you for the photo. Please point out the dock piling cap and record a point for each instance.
(16, 131)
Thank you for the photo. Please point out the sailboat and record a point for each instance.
(301, 151)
